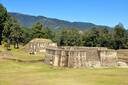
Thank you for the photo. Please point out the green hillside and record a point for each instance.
(29, 20)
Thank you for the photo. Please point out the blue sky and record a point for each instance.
(102, 12)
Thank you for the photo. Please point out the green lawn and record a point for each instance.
(20, 73)
(25, 56)
(15, 73)
(21, 54)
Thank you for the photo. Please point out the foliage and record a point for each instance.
(70, 37)
(12, 32)
(120, 37)
(3, 17)
(38, 31)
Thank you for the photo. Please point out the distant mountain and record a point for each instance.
(29, 20)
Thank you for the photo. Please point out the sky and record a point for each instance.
(100, 12)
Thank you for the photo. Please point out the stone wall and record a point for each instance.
(108, 58)
(122, 57)
(39, 45)
(81, 57)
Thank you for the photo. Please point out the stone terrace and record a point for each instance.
(81, 57)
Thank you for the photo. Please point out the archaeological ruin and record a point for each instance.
(39, 45)
(77, 57)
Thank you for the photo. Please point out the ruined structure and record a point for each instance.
(39, 45)
(122, 57)
(77, 57)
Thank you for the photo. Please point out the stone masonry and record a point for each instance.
(39, 45)
(77, 57)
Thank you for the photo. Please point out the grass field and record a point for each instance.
(20, 73)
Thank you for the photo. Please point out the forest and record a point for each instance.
(12, 33)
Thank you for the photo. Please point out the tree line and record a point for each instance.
(11, 32)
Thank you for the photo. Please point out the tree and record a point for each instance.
(37, 30)
(7, 31)
(119, 37)
(26, 35)
(48, 33)
(69, 37)
(119, 31)
(12, 32)
(3, 18)
(91, 38)
(16, 33)
(104, 39)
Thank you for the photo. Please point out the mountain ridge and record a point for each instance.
(53, 23)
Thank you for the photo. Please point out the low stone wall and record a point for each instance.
(108, 58)
(123, 55)
(81, 57)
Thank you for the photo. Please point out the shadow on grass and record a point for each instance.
(23, 61)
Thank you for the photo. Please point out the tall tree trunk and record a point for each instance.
(1, 29)
(14, 42)
(8, 43)
(17, 43)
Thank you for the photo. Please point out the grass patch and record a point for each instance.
(14, 73)
(20, 54)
